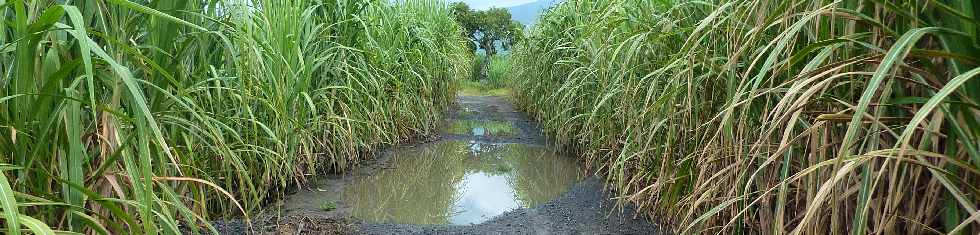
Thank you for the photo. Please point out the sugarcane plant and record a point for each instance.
(158, 116)
(768, 117)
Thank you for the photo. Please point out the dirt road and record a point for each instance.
(585, 208)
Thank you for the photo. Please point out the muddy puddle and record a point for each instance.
(487, 172)
(460, 182)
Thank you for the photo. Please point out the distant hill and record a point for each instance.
(528, 13)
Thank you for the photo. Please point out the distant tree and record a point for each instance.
(467, 18)
(487, 28)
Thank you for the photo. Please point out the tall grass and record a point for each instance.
(493, 80)
(498, 71)
(768, 117)
(136, 117)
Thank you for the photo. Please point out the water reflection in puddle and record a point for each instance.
(476, 147)
(479, 131)
(459, 182)
(482, 128)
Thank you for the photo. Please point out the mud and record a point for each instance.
(585, 208)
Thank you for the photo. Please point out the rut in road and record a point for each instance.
(489, 171)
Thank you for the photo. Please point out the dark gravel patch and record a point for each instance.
(293, 224)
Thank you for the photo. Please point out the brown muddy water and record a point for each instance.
(488, 171)
(460, 182)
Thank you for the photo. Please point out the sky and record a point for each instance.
(485, 4)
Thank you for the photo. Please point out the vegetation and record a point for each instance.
(494, 83)
(765, 116)
(487, 30)
(478, 88)
(135, 117)
(492, 128)
(328, 206)
(498, 71)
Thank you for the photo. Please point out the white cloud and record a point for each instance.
(485, 4)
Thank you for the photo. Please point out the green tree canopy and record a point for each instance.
(487, 27)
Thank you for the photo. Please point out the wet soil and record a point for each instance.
(585, 208)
